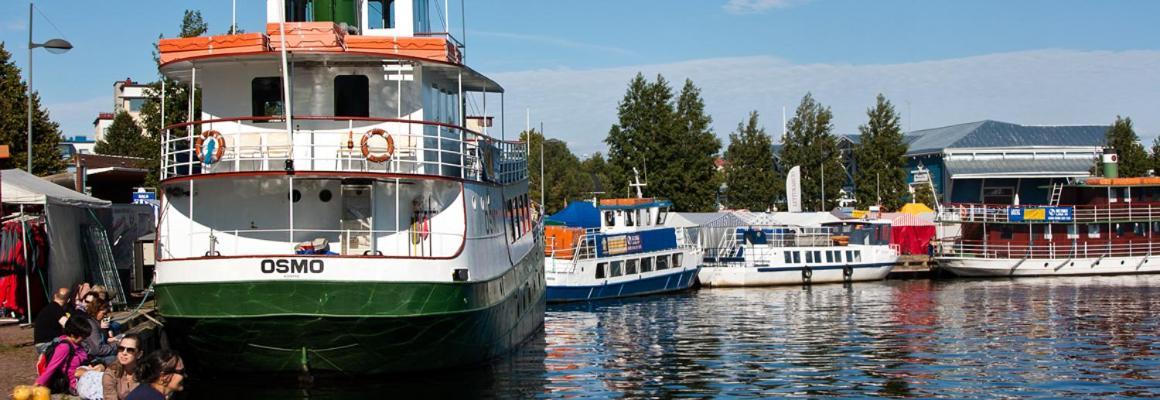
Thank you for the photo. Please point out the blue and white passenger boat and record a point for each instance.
(844, 251)
(617, 248)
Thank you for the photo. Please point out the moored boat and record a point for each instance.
(330, 210)
(845, 251)
(618, 248)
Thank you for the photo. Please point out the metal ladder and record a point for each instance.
(1056, 193)
(101, 266)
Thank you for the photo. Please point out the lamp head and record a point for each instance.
(57, 46)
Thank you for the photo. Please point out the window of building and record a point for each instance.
(266, 97)
(352, 96)
(998, 195)
(600, 270)
(646, 264)
(631, 267)
(381, 14)
(135, 104)
(617, 268)
(1093, 230)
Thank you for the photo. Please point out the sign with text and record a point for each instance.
(1045, 214)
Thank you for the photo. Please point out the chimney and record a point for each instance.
(1109, 160)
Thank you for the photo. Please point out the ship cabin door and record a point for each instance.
(357, 231)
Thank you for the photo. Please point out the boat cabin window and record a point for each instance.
(662, 262)
(631, 267)
(646, 264)
(797, 257)
(600, 270)
(1112, 198)
(1047, 231)
(266, 97)
(1139, 229)
(1156, 227)
(818, 256)
(849, 256)
(1071, 232)
(857, 255)
(381, 14)
(829, 256)
(1126, 194)
(677, 260)
(352, 96)
(809, 257)
(662, 213)
(838, 256)
(617, 268)
(788, 257)
(628, 220)
(609, 218)
(1120, 230)
(1093, 230)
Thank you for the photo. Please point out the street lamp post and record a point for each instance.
(55, 46)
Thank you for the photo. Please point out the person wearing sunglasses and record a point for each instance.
(120, 376)
(160, 374)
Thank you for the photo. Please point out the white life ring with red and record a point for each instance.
(209, 146)
(366, 149)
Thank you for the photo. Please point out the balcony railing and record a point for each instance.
(326, 143)
(994, 213)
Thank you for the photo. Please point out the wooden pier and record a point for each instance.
(912, 266)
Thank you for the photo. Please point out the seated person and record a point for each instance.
(319, 246)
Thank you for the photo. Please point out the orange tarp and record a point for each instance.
(560, 241)
(307, 36)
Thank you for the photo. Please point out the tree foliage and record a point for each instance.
(809, 142)
(925, 195)
(749, 173)
(1154, 157)
(14, 123)
(880, 155)
(595, 171)
(1133, 160)
(668, 141)
(176, 96)
(124, 138)
(563, 178)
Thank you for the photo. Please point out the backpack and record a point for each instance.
(59, 382)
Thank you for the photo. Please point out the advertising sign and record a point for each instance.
(1044, 214)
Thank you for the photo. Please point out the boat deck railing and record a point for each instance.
(998, 213)
(327, 143)
(342, 242)
(1051, 250)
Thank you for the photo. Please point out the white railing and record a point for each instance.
(993, 213)
(345, 242)
(1051, 250)
(335, 144)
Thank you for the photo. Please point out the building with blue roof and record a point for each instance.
(992, 161)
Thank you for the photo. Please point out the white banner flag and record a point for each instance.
(793, 189)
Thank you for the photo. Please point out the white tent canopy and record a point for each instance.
(24, 188)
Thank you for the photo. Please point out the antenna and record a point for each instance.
(638, 183)
(542, 182)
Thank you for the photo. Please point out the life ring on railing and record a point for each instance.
(366, 149)
(209, 146)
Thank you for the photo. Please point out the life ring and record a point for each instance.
(366, 149)
(209, 146)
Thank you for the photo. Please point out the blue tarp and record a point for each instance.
(578, 214)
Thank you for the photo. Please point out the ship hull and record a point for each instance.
(1005, 267)
(741, 276)
(353, 328)
(675, 281)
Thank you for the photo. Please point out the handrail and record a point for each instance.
(278, 118)
(230, 242)
(967, 212)
(1047, 250)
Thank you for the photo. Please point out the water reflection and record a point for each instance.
(1052, 337)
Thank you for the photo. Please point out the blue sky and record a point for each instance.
(941, 62)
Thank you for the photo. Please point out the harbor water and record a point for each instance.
(1050, 337)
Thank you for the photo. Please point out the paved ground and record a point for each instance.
(17, 358)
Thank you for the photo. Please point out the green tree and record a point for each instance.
(809, 142)
(750, 175)
(176, 97)
(14, 123)
(644, 138)
(923, 194)
(694, 172)
(562, 172)
(124, 138)
(595, 171)
(1133, 160)
(881, 160)
(1154, 157)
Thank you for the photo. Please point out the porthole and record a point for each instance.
(294, 196)
(325, 195)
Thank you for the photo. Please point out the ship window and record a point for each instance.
(1071, 232)
(1156, 227)
(646, 264)
(628, 218)
(1126, 194)
(609, 218)
(600, 270)
(838, 256)
(818, 256)
(849, 256)
(857, 255)
(1120, 230)
(1093, 230)
(797, 257)
(352, 96)
(266, 97)
(661, 215)
(630, 267)
(1047, 231)
(809, 257)
(998, 195)
(381, 14)
(616, 268)
(677, 260)
(829, 256)
(788, 257)
(662, 262)
(1112, 195)
(1139, 229)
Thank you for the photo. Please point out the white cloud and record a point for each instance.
(554, 41)
(76, 117)
(1043, 87)
(758, 6)
(14, 24)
